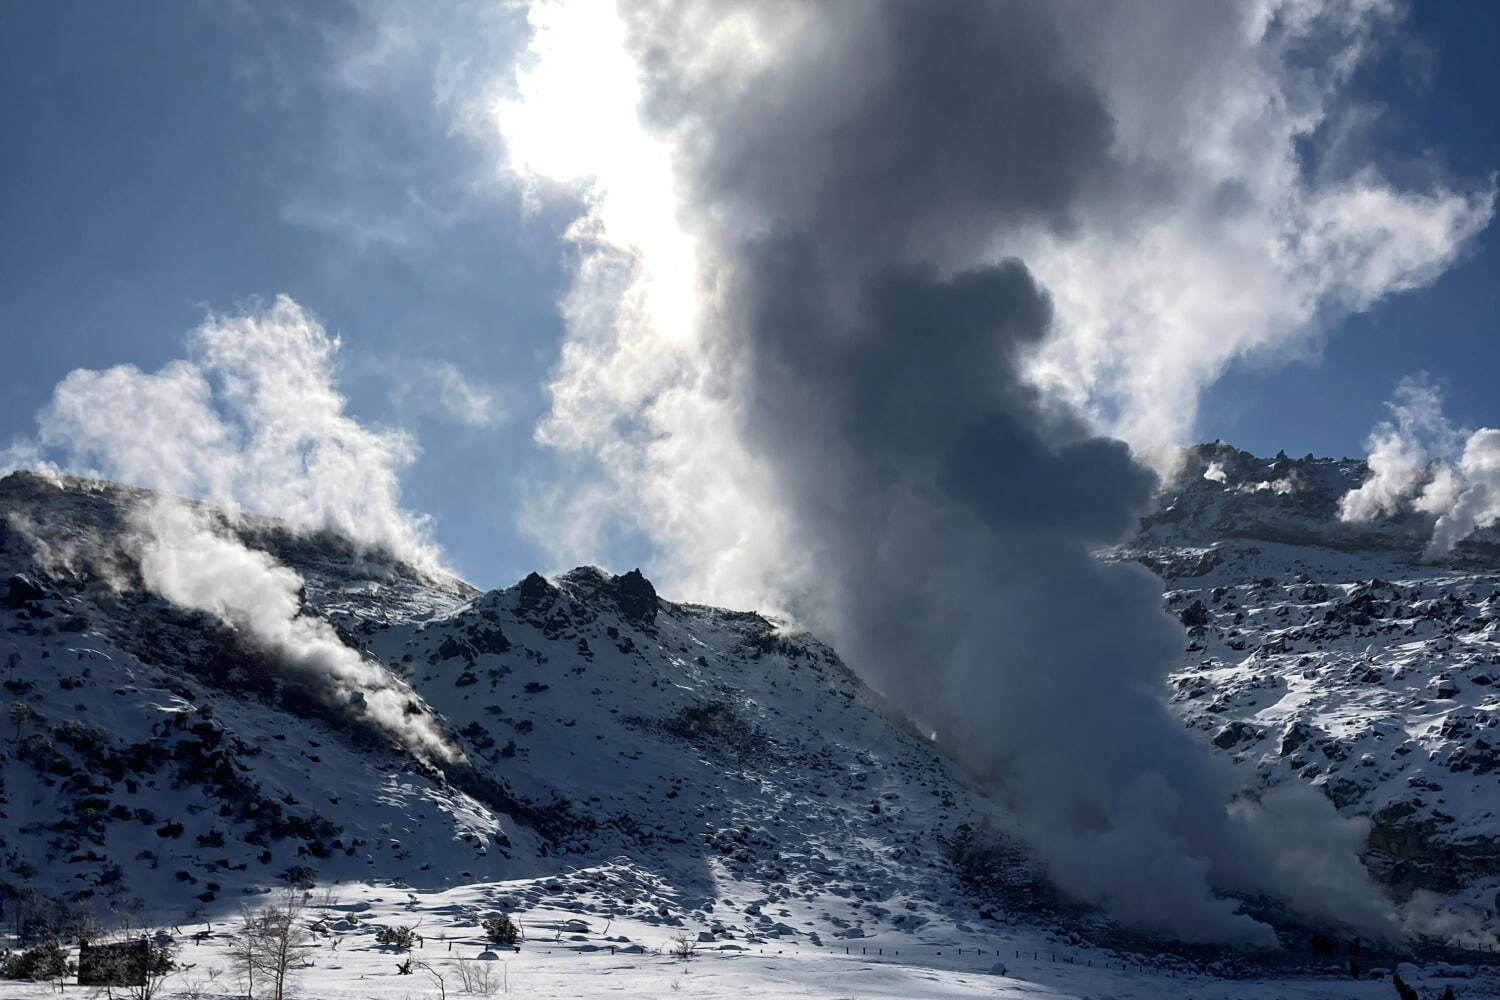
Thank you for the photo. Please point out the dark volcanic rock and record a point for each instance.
(1194, 615)
(21, 590)
(536, 592)
(636, 597)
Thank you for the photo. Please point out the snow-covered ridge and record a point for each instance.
(160, 755)
(1336, 654)
(1220, 492)
(674, 765)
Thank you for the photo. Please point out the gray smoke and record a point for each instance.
(843, 195)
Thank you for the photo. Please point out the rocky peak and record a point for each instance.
(636, 597)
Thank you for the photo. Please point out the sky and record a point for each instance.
(168, 163)
(1434, 109)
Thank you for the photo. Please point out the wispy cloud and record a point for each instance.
(442, 390)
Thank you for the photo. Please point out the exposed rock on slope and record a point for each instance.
(1328, 653)
(157, 753)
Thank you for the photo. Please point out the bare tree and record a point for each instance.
(244, 951)
(286, 936)
(266, 946)
(437, 977)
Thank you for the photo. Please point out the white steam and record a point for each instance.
(1220, 240)
(1420, 462)
(1466, 498)
(185, 560)
(251, 420)
(1402, 452)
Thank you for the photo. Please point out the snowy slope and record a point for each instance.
(1329, 653)
(644, 766)
(157, 762)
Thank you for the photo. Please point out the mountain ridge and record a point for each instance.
(530, 680)
(701, 753)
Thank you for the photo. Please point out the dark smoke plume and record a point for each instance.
(845, 192)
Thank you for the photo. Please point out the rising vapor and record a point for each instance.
(251, 421)
(841, 298)
(1420, 462)
(194, 564)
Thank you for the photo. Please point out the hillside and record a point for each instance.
(159, 757)
(1333, 654)
(628, 768)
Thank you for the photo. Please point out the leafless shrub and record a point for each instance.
(684, 945)
(267, 944)
(476, 977)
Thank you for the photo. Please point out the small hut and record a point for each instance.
(123, 963)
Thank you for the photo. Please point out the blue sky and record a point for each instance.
(154, 168)
(1437, 94)
(163, 160)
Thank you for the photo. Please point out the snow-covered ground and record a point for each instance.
(572, 950)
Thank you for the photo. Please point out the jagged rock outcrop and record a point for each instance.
(1334, 654)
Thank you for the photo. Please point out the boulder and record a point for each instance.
(1195, 615)
(636, 597)
(1234, 734)
(1293, 737)
(1443, 687)
(22, 590)
(536, 592)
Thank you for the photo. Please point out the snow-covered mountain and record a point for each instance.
(156, 755)
(676, 765)
(1334, 654)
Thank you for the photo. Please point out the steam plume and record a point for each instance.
(185, 560)
(837, 410)
(1419, 461)
(251, 420)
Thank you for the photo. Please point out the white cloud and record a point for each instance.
(384, 101)
(252, 420)
(1218, 241)
(440, 388)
